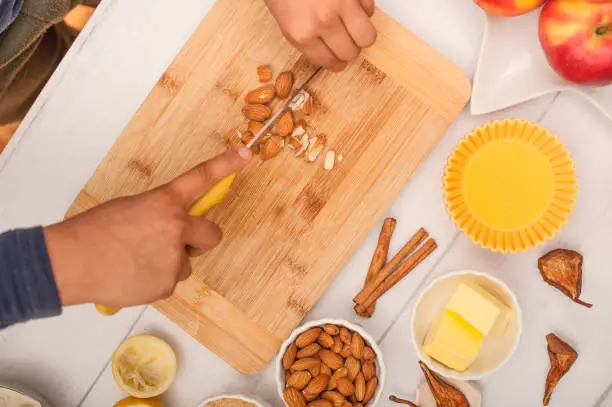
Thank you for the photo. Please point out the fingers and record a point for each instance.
(358, 24)
(368, 6)
(319, 53)
(339, 41)
(185, 270)
(201, 235)
(195, 182)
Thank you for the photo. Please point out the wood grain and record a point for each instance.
(289, 226)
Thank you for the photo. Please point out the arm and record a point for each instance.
(128, 251)
(330, 33)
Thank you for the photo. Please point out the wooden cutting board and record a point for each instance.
(289, 226)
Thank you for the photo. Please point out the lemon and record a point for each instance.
(104, 310)
(144, 366)
(136, 402)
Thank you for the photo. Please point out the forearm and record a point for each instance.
(27, 284)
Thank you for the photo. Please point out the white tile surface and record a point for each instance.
(97, 89)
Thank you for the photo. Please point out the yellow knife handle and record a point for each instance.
(213, 197)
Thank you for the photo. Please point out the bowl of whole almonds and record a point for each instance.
(330, 363)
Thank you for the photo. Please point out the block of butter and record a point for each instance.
(452, 341)
(480, 308)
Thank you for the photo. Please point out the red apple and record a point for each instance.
(509, 8)
(577, 40)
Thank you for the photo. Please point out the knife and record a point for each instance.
(217, 193)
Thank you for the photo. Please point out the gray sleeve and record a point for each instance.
(27, 284)
(9, 9)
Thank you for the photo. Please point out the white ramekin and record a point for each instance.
(495, 352)
(380, 365)
(231, 396)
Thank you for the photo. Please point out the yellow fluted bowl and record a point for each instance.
(510, 185)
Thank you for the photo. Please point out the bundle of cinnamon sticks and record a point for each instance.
(382, 276)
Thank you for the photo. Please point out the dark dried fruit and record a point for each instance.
(445, 394)
(562, 357)
(562, 269)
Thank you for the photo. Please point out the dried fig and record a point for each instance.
(562, 269)
(562, 357)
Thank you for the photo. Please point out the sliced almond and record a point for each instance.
(315, 146)
(305, 140)
(264, 73)
(300, 129)
(330, 160)
(298, 101)
(308, 106)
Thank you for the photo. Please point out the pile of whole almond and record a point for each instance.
(288, 131)
(329, 366)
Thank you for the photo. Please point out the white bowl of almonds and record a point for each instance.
(330, 363)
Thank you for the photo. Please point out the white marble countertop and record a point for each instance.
(97, 89)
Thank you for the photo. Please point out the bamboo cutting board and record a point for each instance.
(289, 226)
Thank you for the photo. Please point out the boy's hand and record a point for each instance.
(328, 32)
(134, 250)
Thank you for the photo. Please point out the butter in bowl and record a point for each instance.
(466, 325)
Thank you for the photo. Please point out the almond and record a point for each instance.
(338, 345)
(346, 351)
(264, 73)
(347, 404)
(352, 398)
(330, 160)
(326, 370)
(353, 367)
(357, 345)
(289, 356)
(336, 398)
(333, 380)
(294, 398)
(287, 375)
(263, 94)
(360, 387)
(305, 140)
(317, 385)
(368, 369)
(357, 405)
(309, 351)
(298, 101)
(331, 329)
(257, 112)
(299, 380)
(370, 389)
(294, 143)
(368, 353)
(345, 387)
(255, 127)
(272, 147)
(285, 124)
(256, 149)
(308, 337)
(308, 397)
(331, 359)
(325, 340)
(315, 146)
(307, 109)
(345, 335)
(305, 364)
(320, 403)
(316, 369)
(284, 84)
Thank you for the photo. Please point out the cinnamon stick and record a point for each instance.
(402, 271)
(386, 271)
(399, 400)
(380, 257)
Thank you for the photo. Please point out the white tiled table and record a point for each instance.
(97, 89)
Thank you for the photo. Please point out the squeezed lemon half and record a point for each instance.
(144, 366)
(136, 402)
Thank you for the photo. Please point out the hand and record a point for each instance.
(135, 250)
(329, 32)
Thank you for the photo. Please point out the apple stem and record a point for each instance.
(604, 29)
